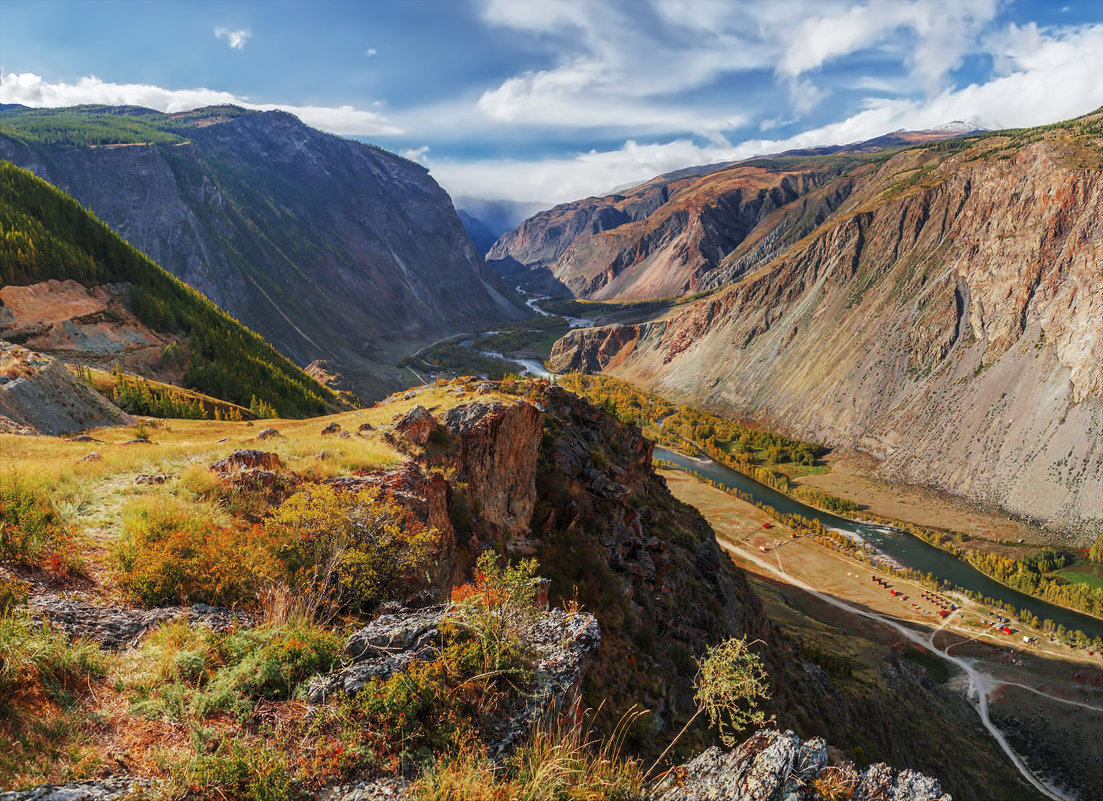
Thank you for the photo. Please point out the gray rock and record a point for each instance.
(113, 789)
(778, 766)
(268, 433)
(115, 627)
(375, 790)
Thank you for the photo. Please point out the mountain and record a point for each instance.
(944, 317)
(692, 229)
(72, 288)
(329, 248)
(481, 236)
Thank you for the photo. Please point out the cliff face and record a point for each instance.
(663, 238)
(331, 249)
(947, 323)
(691, 230)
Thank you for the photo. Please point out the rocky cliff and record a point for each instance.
(945, 319)
(690, 230)
(329, 248)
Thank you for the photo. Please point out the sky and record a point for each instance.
(552, 100)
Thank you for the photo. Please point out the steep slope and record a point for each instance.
(946, 319)
(71, 287)
(38, 395)
(693, 229)
(329, 248)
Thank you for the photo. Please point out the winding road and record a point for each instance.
(980, 684)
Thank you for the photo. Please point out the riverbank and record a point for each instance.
(1057, 677)
(907, 549)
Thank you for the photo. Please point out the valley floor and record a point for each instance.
(853, 476)
(1045, 698)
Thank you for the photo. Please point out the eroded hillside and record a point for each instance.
(946, 320)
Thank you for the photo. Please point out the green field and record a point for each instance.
(1090, 573)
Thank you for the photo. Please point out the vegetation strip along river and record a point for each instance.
(908, 550)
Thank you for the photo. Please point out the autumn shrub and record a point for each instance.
(33, 532)
(237, 770)
(35, 654)
(13, 592)
(168, 554)
(491, 620)
(730, 684)
(354, 549)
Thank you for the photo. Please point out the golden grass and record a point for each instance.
(94, 494)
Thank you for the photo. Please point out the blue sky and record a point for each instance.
(551, 100)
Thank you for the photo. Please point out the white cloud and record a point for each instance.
(1034, 63)
(417, 154)
(236, 39)
(30, 89)
(371, 51)
(944, 31)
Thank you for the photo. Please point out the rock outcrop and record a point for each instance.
(498, 446)
(775, 766)
(123, 627)
(946, 322)
(37, 393)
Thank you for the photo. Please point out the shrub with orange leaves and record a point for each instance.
(33, 532)
(168, 555)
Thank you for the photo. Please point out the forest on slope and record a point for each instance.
(45, 234)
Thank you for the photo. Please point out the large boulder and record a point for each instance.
(497, 452)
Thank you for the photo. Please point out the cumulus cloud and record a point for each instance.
(1032, 63)
(30, 89)
(235, 39)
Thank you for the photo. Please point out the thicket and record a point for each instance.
(33, 532)
(46, 234)
(335, 550)
(1029, 575)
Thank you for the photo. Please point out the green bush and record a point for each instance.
(238, 770)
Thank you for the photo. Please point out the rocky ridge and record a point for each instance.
(39, 395)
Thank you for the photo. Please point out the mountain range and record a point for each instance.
(329, 248)
(936, 305)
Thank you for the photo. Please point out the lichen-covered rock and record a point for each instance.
(116, 627)
(778, 766)
(374, 790)
(331, 429)
(113, 789)
(149, 478)
(417, 425)
(386, 645)
(268, 433)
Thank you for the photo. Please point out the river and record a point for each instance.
(905, 548)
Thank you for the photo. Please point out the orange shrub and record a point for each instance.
(166, 557)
